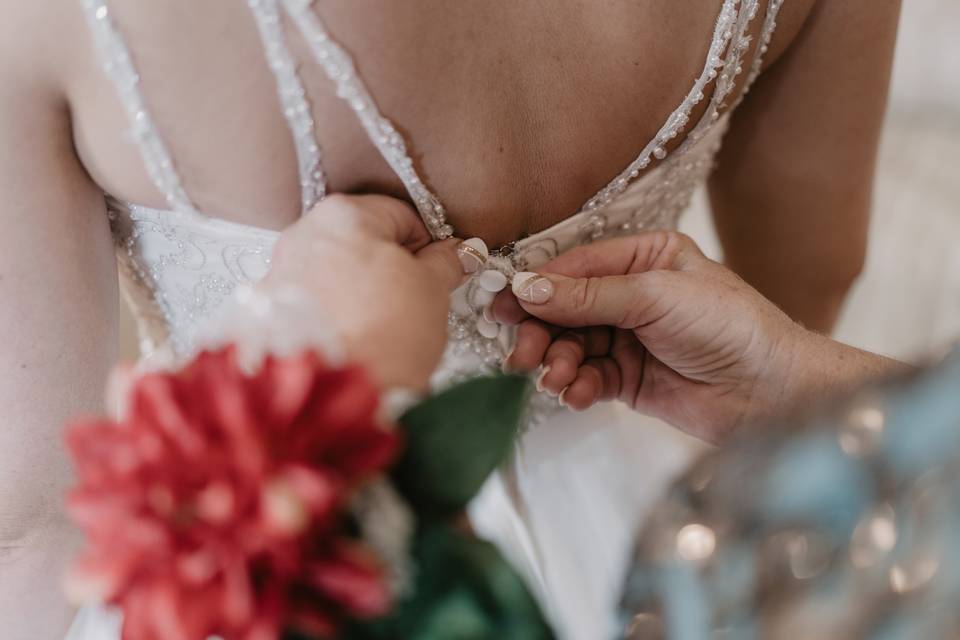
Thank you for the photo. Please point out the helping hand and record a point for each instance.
(657, 325)
(383, 286)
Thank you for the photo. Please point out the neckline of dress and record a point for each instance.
(341, 69)
(162, 216)
(358, 97)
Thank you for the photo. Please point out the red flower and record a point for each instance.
(216, 507)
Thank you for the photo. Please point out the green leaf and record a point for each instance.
(464, 590)
(456, 439)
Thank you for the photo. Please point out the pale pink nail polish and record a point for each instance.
(532, 287)
(543, 374)
(505, 366)
(473, 255)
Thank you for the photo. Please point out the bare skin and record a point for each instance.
(650, 321)
(518, 112)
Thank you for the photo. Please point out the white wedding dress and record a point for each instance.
(565, 507)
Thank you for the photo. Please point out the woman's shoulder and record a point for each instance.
(39, 46)
(802, 19)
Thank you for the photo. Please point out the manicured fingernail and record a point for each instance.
(505, 365)
(488, 314)
(473, 254)
(562, 398)
(532, 287)
(543, 374)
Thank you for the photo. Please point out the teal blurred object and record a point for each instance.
(843, 525)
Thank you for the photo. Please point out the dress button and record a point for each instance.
(482, 297)
(493, 281)
(487, 329)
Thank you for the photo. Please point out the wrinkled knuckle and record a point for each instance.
(683, 245)
(647, 290)
(673, 249)
(652, 283)
(581, 293)
(399, 206)
(568, 349)
(675, 243)
(681, 238)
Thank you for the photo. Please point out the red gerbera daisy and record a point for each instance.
(217, 505)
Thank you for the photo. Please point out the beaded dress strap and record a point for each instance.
(766, 35)
(722, 35)
(339, 67)
(732, 68)
(293, 100)
(119, 67)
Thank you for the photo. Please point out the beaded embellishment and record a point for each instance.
(119, 67)
(339, 67)
(679, 119)
(293, 99)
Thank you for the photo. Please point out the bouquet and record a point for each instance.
(280, 503)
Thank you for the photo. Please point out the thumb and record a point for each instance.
(441, 259)
(618, 301)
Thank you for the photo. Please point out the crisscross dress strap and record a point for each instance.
(766, 35)
(293, 100)
(119, 67)
(731, 69)
(339, 67)
(656, 149)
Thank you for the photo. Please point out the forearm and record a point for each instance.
(811, 369)
(805, 263)
(32, 604)
(36, 540)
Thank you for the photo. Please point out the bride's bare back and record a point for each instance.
(515, 112)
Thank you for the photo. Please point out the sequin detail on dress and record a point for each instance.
(339, 67)
(766, 35)
(293, 99)
(678, 120)
(119, 67)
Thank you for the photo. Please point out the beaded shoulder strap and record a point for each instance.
(766, 35)
(731, 69)
(119, 67)
(656, 149)
(339, 67)
(293, 100)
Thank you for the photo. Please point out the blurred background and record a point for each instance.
(907, 303)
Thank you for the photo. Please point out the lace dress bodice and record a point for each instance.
(179, 265)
